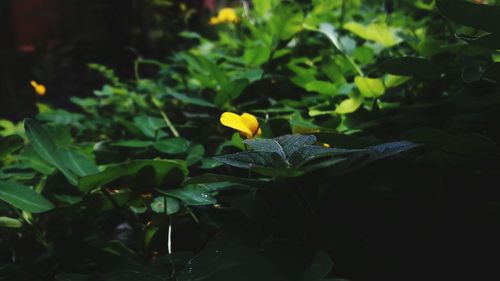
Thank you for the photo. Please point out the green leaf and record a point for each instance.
(190, 100)
(34, 161)
(348, 106)
(46, 148)
(172, 145)
(149, 125)
(10, 222)
(23, 197)
(195, 154)
(411, 66)
(133, 143)
(329, 31)
(285, 22)
(162, 168)
(266, 145)
(369, 87)
(377, 32)
(263, 6)
(250, 159)
(322, 87)
(10, 144)
(230, 91)
(292, 143)
(256, 54)
(193, 194)
(215, 178)
(158, 205)
(78, 163)
(391, 81)
(479, 16)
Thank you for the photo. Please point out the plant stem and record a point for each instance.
(165, 118)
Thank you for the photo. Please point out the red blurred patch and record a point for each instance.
(36, 22)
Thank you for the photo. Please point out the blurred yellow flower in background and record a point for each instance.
(224, 15)
(246, 124)
(39, 88)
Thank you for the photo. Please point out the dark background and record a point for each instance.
(51, 42)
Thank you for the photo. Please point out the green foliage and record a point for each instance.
(362, 116)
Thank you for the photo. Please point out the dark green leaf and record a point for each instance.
(158, 205)
(191, 100)
(172, 145)
(10, 144)
(23, 197)
(161, 168)
(193, 194)
(46, 148)
(78, 163)
(133, 143)
(484, 17)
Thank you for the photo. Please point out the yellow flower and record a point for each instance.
(246, 123)
(326, 145)
(228, 15)
(224, 15)
(213, 21)
(39, 88)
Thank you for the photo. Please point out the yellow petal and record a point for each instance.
(227, 14)
(251, 122)
(233, 120)
(213, 21)
(39, 88)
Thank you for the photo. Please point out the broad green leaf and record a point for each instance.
(348, 105)
(195, 154)
(158, 205)
(172, 145)
(78, 163)
(369, 87)
(23, 197)
(256, 54)
(480, 16)
(285, 22)
(230, 91)
(264, 6)
(46, 148)
(329, 31)
(194, 194)
(34, 161)
(322, 87)
(10, 144)
(302, 126)
(112, 172)
(149, 125)
(250, 159)
(266, 145)
(291, 143)
(377, 32)
(411, 66)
